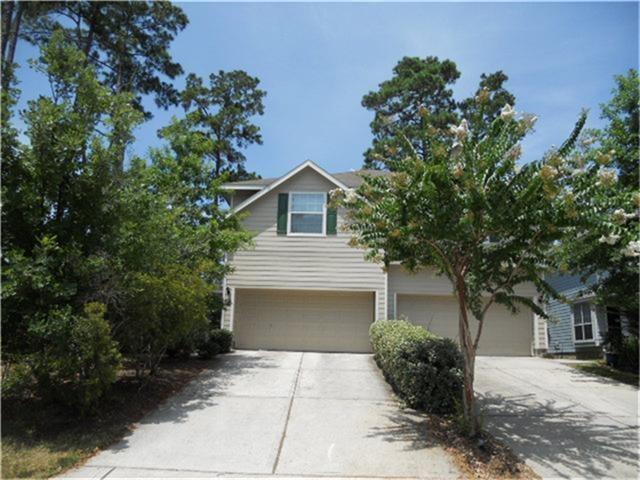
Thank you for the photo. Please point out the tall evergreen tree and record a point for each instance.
(419, 96)
(223, 112)
(126, 42)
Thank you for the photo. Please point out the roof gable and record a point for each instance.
(307, 164)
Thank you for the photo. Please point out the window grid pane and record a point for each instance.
(588, 332)
(306, 223)
(582, 313)
(307, 202)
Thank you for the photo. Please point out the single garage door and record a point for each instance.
(503, 333)
(303, 320)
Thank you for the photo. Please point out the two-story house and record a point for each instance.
(302, 287)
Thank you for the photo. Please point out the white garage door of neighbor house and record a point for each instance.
(303, 320)
(503, 333)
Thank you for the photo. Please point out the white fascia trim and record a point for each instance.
(226, 186)
(284, 178)
(386, 295)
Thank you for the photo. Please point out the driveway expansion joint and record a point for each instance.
(286, 421)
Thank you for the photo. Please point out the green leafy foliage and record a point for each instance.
(464, 208)
(424, 369)
(92, 250)
(159, 311)
(223, 337)
(218, 340)
(126, 42)
(77, 359)
(604, 241)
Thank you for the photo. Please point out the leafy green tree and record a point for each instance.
(604, 244)
(170, 247)
(126, 42)
(57, 217)
(222, 113)
(464, 209)
(420, 96)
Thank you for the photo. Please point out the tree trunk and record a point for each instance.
(15, 31)
(7, 16)
(469, 358)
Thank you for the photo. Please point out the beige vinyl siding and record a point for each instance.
(239, 196)
(427, 282)
(301, 262)
(303, 320)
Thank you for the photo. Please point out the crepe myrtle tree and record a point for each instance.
(468, 210)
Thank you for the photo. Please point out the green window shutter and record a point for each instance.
(332, 219)
(283, 210)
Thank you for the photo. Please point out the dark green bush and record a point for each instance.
(224, 339)
(628, 352)
(217, 341)
(207, 349)
(425, 370)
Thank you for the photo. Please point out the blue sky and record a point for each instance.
(316, 61)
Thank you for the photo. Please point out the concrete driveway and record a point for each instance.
(563, 422)
(261, 413)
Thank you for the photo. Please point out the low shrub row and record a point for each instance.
(424, 369)
(217, 341)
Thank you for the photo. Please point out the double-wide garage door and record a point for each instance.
(502, 334)
(303, 320)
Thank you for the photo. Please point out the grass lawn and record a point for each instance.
(41, 440)
(602, 369)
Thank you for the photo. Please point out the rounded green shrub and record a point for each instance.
(424, 369)
(217, 341)
(224, 339)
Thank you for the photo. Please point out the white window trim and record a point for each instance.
(324, 216)
(594, 322)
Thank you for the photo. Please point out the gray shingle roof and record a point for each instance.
(351, 179)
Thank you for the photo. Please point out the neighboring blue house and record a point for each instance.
(578, 326)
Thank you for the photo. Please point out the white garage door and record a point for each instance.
(303, 320)
(503, 333)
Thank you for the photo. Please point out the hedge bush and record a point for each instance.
(424, 369)
(224, 339)
(218, 341)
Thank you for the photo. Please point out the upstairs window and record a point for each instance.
(582, 322)
(307, 213)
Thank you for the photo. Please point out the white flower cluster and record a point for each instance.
(529, 121)
(507, 112)
(620, 216)
(607, 177)
(461, 131)
(610, 239)
(632, 249)
(351, 196)
(548, 173)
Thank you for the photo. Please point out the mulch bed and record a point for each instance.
(484, 457)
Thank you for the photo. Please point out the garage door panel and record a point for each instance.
(502, 334)
(303, 320)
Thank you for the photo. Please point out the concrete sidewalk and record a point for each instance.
(565, 423)
(259, 413)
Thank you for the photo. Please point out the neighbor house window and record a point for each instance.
(307, 213)
(582, 321)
